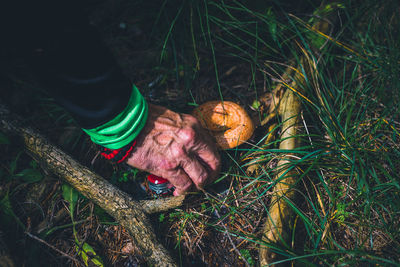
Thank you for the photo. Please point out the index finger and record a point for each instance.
(211, 159)
(200, 145)
(207, 151)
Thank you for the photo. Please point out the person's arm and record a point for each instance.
(69, 57)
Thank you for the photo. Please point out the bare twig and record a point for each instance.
(161, 204)
(53, 248)
(226, 232)
(231, 241)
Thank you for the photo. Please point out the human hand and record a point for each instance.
(175, 146)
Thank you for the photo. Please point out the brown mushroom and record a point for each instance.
(227, 121)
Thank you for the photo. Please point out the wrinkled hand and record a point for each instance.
(175, 146)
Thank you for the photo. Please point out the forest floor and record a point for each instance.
(184, 53)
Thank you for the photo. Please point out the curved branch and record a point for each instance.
(127, 211)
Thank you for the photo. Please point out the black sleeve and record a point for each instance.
(68, 56)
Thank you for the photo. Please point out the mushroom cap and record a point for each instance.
(228, 122)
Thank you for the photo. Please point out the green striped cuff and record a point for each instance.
(124, 128)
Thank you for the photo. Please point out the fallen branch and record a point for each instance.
(281, 215)
(127, 211)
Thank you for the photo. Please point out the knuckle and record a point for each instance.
(188, 134)
(202, 178)
(178, 152)
(193, 119)
(186, 186)
(168, 165)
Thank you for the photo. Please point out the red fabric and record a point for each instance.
(127, 153)
(110, 154)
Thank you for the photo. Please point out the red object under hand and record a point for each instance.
(159, 185)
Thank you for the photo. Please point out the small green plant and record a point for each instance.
(29, 174)
(247, 256)
(82, 248)
(10, 174)
(124, 176)
(341, 213)
(161, 218)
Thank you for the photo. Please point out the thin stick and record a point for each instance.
(226, 232)
(161, 204)
(231, 241)
(53, 247)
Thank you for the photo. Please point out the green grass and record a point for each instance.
(348, 209)
(348, 205)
